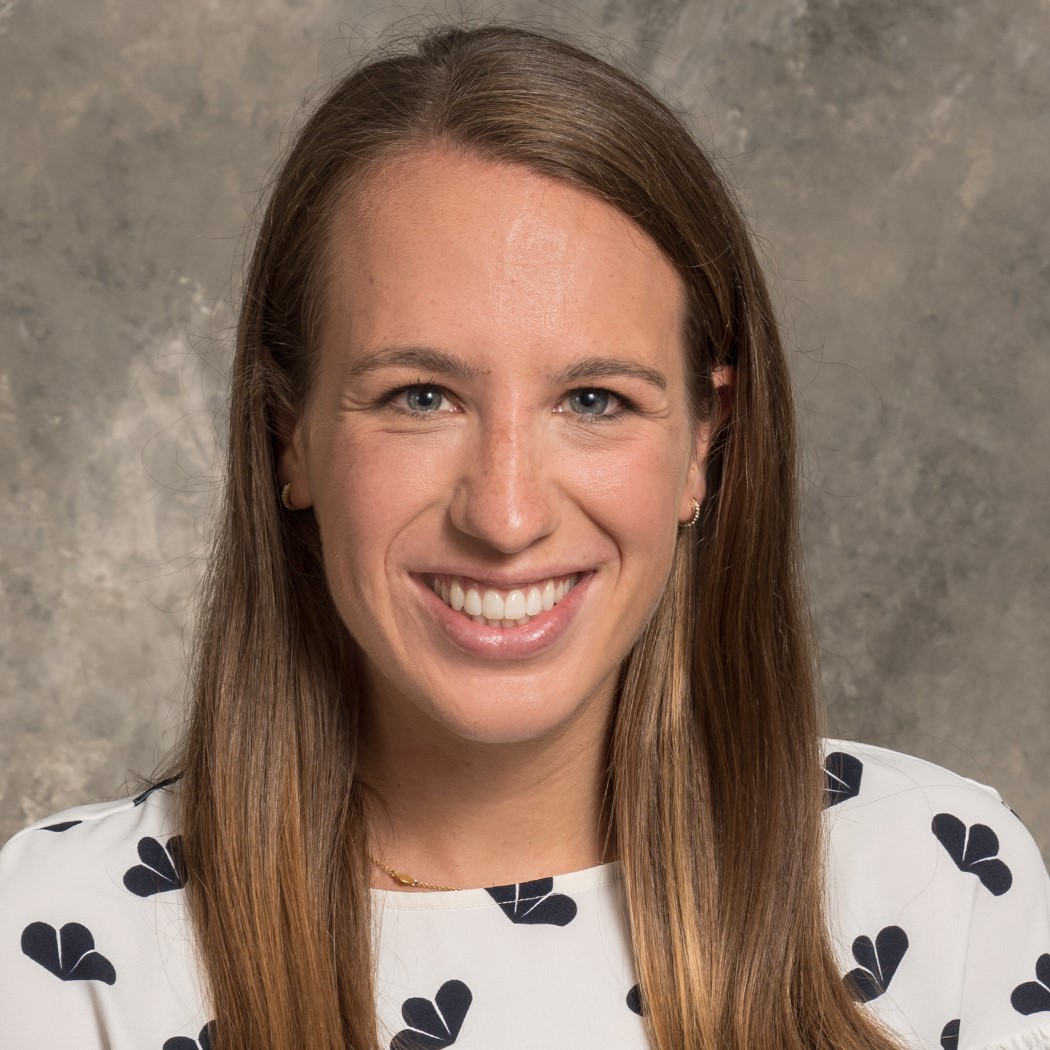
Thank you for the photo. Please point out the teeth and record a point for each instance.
(492, 605)
(456, 597)
(494, 609)
(549, 591)
(514, 606)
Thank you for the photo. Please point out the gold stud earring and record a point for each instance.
(694, 519)
(285, 490)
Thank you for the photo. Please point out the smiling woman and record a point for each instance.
(505, 732)
(458, 437)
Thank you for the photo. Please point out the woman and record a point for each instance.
(505, 730)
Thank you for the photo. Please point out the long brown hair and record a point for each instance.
(714, 765)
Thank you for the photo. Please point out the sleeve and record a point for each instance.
(939, 904)
(1006, 990)
(55, 965)
(96, 949)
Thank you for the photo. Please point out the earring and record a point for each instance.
(285, 489)
(694, 519)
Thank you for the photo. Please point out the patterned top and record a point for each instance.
(939, 910)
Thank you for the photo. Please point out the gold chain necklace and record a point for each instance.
(404, 879)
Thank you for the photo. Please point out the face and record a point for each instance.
(497, 446)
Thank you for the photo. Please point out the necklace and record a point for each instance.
(404, 879)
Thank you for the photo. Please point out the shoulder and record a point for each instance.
(865, 776)
(939, 900)
(79, 844)
(151, 803)
(884, 804)
(93, 925)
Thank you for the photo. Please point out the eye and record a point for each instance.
(592, 401)
(423, 399)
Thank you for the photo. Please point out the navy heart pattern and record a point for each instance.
(842, 776)
(878, 963)
(1033, 997)
(635, 1002)
(182, 1042)
(974, 849)
(68, 953)
(63, 825)
(534, 903)
(950, 1035)
(434, 1025)
(162, 868)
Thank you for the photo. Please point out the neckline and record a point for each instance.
(570, 882)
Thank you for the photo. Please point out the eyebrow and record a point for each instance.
(423, 358)
(430, 359)
(605, 367)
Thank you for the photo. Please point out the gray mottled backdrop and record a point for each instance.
(893, 155)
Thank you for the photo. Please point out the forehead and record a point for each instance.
(445, 247)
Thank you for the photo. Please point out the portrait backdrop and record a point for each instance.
(893, 160)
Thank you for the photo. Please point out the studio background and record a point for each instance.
(893, 158)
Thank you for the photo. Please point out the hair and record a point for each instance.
(715, 763)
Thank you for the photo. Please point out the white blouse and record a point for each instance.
(939, 911)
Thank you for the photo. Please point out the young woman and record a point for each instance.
(505, 731)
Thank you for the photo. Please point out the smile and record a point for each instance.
(495, 608)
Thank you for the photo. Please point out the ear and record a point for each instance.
(696, 485)
(292, 464)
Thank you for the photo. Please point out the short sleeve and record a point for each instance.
(939, 903)
(1006, 991)
(95, 947)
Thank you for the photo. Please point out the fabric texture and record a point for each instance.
(939, 909)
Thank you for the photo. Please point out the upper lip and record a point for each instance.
(505, 581)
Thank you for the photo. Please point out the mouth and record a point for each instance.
(502, 608)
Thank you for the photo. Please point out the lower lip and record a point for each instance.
(506, 643)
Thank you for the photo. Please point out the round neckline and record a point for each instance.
(570, 882)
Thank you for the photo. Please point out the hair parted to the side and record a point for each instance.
(715, 767)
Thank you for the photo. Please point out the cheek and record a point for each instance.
(366, 489)
(634, 498)
(638, 485)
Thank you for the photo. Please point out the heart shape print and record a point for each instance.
(68, 953)
(434, 1025)
(1033, 997)
(950, 1035)
(162, 869)
(974, 849)
(878, 963)
(842, 776)
(534, 903)
(182, 1042)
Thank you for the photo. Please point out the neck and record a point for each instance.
(463, 813)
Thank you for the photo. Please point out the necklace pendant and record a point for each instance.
(402, 879)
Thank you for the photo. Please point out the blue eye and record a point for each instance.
(422, 399)
(593, 401)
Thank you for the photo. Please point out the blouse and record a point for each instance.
(938, 911)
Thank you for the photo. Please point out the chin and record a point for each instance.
(514, 712)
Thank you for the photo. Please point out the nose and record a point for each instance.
(506, 495)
